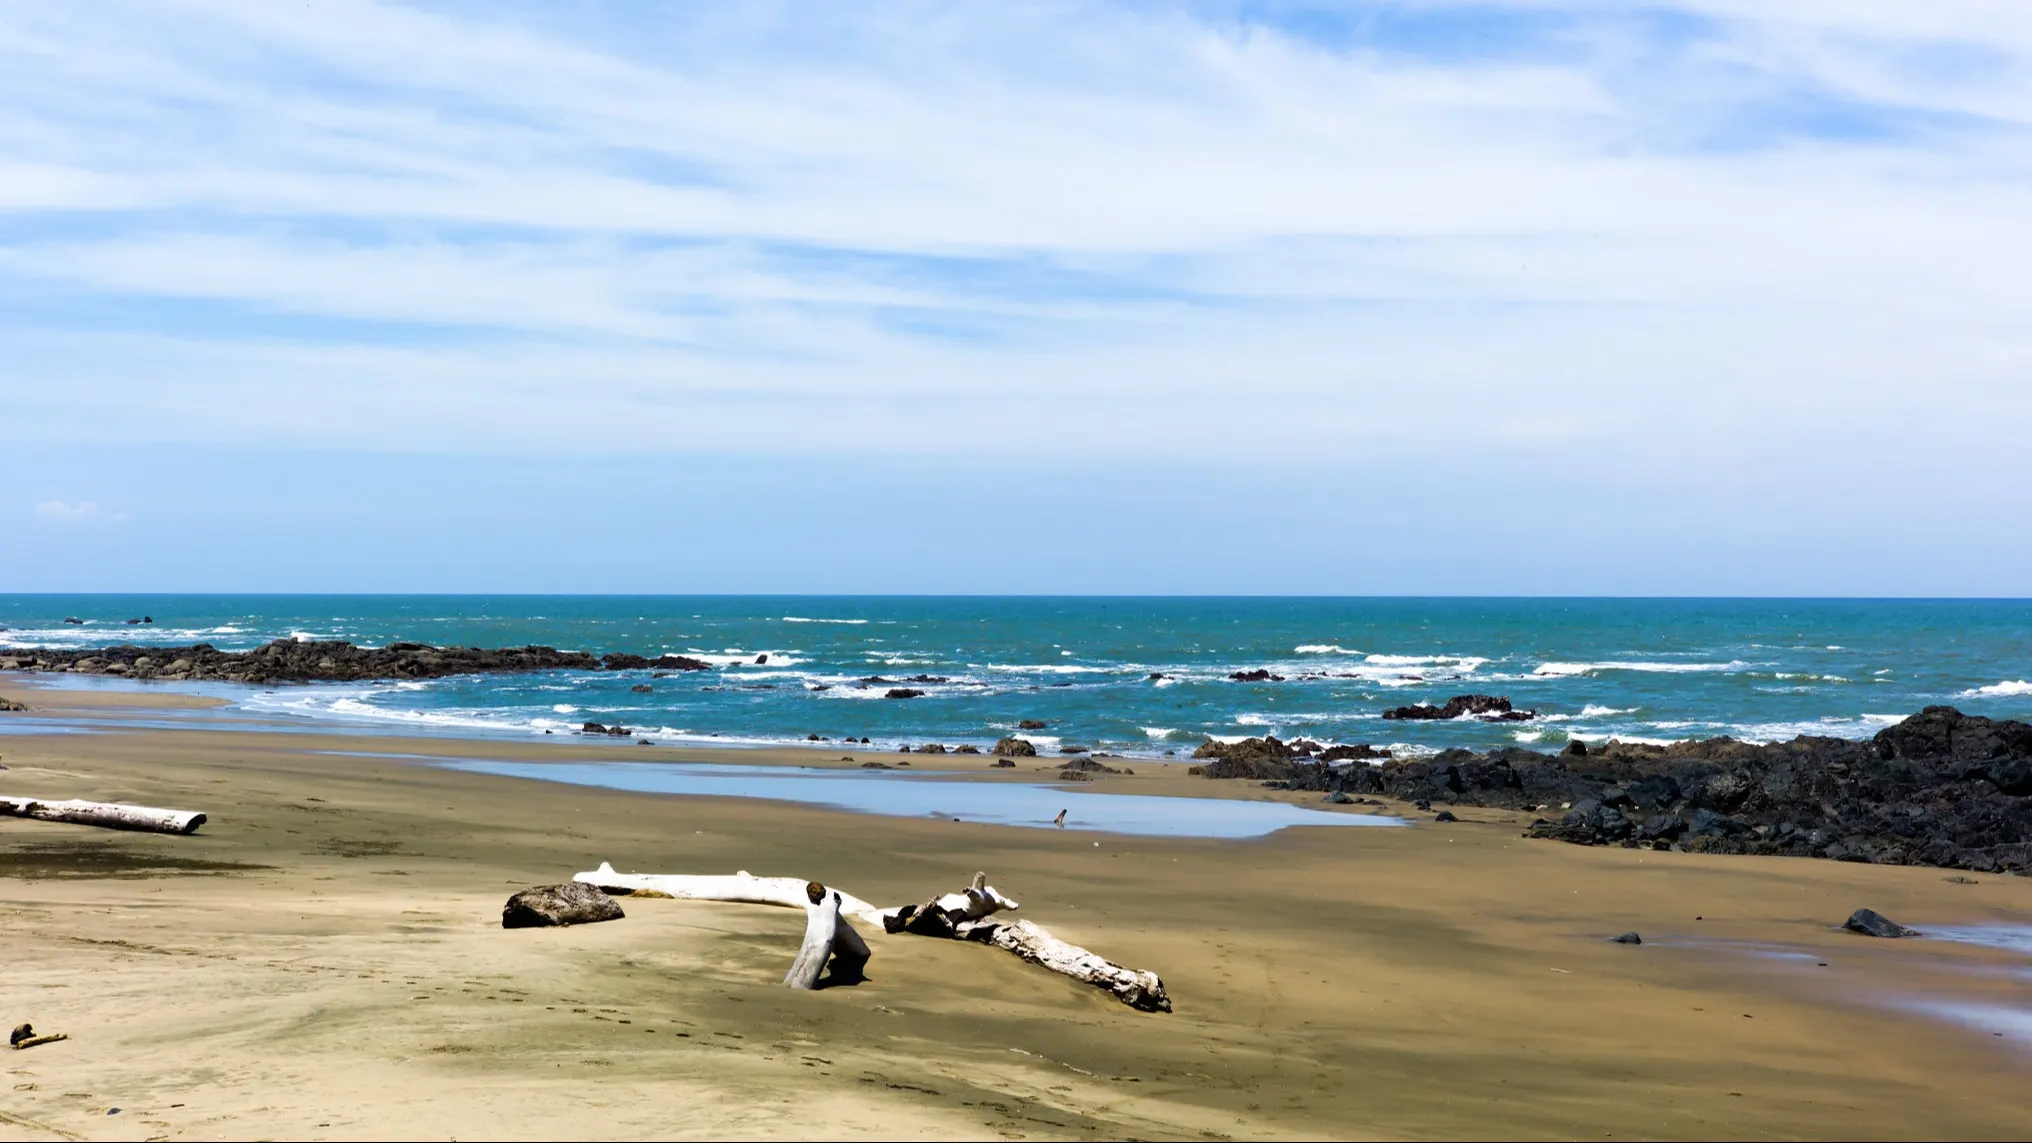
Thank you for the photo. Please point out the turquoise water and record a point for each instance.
(1649, 669)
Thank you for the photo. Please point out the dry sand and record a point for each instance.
(324, 960)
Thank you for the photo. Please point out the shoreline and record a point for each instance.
(324, 960)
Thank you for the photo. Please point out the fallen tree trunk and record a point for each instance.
(111, 815)
(743, 888)
(826, 937)
(1034, 943)
(962, 915)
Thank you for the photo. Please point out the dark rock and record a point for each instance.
(1871, 923)
(134, 623)
(1089, 766)
(321, 660)
(1074, 776)
(1256, 676)
(1340, 799)
(876, 766)
(73, 619)
(1005, 762)
(1445, 816)
(966, 749)
(931, 748)
(1575, 749)
(572, 903)
(1156, 675)
(1072, 750)
(1264, 758)
(10, 704)
(1351, 751)
(21, 1032)
(641, 689)
(762, 659)
(1014, 748)
(904, 693)
(1423, 804)
(1489, 708)
(1031, 724)
(1630, 938)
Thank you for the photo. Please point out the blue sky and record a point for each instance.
(1596, 297)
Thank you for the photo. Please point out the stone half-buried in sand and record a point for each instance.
(549, 906)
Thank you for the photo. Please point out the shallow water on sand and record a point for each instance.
(931, 795)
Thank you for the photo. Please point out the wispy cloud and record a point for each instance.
(1746, 227)
(81, 512)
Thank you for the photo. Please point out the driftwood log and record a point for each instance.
(827, 936)
(962, 916)
(111, 815)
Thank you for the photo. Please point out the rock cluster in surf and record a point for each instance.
(1940, 788)
(290, 661)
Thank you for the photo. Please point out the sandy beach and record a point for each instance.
(325, 960)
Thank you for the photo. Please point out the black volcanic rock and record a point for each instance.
(324, 660)
(1259, 675)
(1493, 708)
(1940, 788)
(1871, 923)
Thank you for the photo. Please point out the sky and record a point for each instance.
(1413, 297)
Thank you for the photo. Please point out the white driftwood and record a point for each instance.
(1034, 943)
(743, 887)
(963, 915)
(111, 815)
(827, 936)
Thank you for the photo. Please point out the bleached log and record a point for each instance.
(827, 936)
(742, 888)
(962, 915)
(938, 916)
(111, 815)
(1034, 943)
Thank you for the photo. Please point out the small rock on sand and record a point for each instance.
(1871, 923)
(1629, 938)
(572, 903)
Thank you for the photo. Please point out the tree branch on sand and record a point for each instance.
(963, 915)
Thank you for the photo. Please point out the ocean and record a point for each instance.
(1134, 676)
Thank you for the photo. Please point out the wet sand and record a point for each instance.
(324, 960)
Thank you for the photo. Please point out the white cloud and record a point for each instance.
(366, 225)
(82, 512)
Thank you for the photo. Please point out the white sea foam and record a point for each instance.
(803, 619)
(1456, 662)
(1564, 670)
(1528, 735)
(565, 708)
(1999, 690)
(1049, 668)
(303, 637)
(1253, 720)
(1323, 649)
(1160, 731)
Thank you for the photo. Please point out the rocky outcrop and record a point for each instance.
(290, 661)
(1262, 758)
(10, 704)
(1014, 748)
(903, 693)
(1488, 708)
(1940, 788)
(1259, 675)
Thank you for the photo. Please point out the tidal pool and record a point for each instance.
(932, 795)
